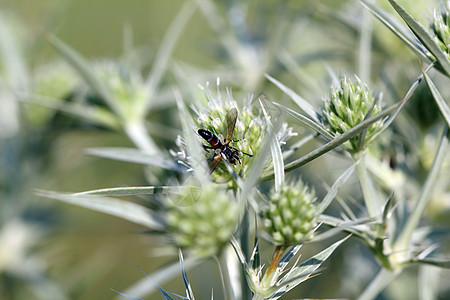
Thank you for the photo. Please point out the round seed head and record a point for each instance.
(291, 216)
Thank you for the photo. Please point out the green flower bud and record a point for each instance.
(440, 27)
(346, 106)
(291, 216)
(127, 88)
(202, 220)
(55, 80)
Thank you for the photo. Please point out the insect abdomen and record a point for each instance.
(209, 137)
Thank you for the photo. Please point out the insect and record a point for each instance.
(222, 149)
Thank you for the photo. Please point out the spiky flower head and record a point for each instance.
(127, 88)
(347, 105)
(291, 215)
(248, 134)
(202, 220)
(55, 80)
(440, 27)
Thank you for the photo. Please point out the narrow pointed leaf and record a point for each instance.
(259, 161)
(425, 194)
(443, 106)
(165, 294)
(164, 274)
(317, 127)
(428, 282)
(342, 226)
(187, 285)
(288, 152)
(388, 207)
(132, 190)
(302, 103)
(256, 255)
(302, 76)
(284, 261)
(362, 136)
(277, 156)
(239, 253)
(398, 29)
(126, 296)
(378, 284)
(336, 223)
(335, 189)
(198, 161)
(84, 68)
(316, 261)
(236, 177)
(123, 209)
(307, 267)
(278, 163)
(93, 114)
(421, 33)
(136, 156)
(441, 263)
(397, 107)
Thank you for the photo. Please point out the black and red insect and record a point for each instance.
(223, 149)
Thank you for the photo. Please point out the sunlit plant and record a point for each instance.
(213, 193)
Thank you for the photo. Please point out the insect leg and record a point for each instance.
(208, 147)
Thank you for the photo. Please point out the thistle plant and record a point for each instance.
(389, 233)
(212, 214)
(202, 219)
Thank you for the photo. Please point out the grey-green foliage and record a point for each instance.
(202, 213)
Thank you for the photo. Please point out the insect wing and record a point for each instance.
(214, 162)
(231, 123)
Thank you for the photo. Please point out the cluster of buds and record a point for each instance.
(440, 27)
(56, 81)
(347, 105)
(127, 88)
(291, 216)
(202, 220)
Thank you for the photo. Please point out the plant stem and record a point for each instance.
(413, 220)
(137, 133)
(272, 274)
(383, 278)
(225, 276)
(368, 190)
(244, 239)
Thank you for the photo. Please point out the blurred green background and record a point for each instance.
(49, 248)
